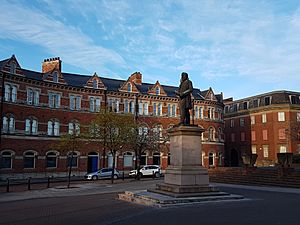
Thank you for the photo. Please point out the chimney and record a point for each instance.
(51, 64)
(136, 78)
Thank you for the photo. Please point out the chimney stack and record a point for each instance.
(51, 64)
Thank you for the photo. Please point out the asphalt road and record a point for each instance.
(261, 208)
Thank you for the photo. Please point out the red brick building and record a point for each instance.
(264, 124)
(38, 107)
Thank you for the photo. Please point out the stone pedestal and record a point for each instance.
(185, 175)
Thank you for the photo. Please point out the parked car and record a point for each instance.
(102, 174)
(147, 170)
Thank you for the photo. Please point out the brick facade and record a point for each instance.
(46, 97)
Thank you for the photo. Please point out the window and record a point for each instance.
(154, 108)
(129, 87)
(143, 131)
(74, 128)
(75, 102)
(55, 77)
(245, 105)
(72, 159)
(13, 67)
(95, 84)
(8, 124)
(267, 100)
(253, 135)
(146, 108)
(140, 108)
(143, 159)
(156, 158)
(132, 107)
(6, 160)
(31, 126)
(29, 160)
(126, 106)
(266, 151)
(33, 96)
(294, 99)
(128, 159)
(253, 149)
(173, 110)
(242, 122)
(298, 117)
(255, 103)
(220, 159)
(157, 130)
(264, 118)
(231, 123)
(209, 113)
(220, 134)
(281, 116)
(169, 110)
(252, 120)
(265, 135)
(54, 100)
(95, 104)
(196, 111)
(282, 149)
(211, 159)
(10, 93)
(110, 160)
(281, 134)
(200, 112)
(211, 134)
(113, 105)
(51, 160)
(157, 90)
(53, 128)
(159, 109)
(243, 136)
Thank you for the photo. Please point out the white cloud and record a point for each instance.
(20, 23)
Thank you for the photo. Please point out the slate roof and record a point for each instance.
(3, 62)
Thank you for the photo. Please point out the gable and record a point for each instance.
(157, 89)
(12, 66)
(54, 76)
(95, 82)
(210, 95)
(129, 86)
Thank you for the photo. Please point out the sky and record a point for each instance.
(240, 48)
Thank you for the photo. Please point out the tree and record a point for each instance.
(144, 139)
(113, 131)
(69, 144)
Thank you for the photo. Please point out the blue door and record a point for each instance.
(92, 163)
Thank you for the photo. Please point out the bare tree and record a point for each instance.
(113, 131)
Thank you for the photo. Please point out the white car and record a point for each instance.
(148, 170)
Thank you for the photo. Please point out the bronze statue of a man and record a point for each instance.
(185, 101)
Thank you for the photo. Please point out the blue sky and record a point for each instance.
(241, 48)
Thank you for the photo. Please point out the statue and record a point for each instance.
(185, 101)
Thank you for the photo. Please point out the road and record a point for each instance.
(262, 207)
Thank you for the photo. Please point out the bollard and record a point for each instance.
(29, 180)
(48, 183)
(7, 185)
(153, 175)
(123, 176)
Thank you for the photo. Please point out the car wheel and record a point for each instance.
(140, 175)
(157, 175)
(116, 177)
(94, 177)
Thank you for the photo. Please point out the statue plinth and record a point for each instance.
(185, 175)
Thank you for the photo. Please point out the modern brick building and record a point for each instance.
(38, 107)
(264, 124)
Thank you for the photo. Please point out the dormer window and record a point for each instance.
(55, 77)
(95, 84)
(129, 87)
(157, 90)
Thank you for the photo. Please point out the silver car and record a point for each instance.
(102, 174)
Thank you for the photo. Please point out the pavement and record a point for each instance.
(104, 187)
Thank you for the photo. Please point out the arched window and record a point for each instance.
(126, 106)
(95, 84)
(29, 159)
(157, 131)
(157, 90)
(128, 159)
(196, 112)
(146, 108)
(31, 126)
(211, 134)
(220, 133)
(73, 159)
(110, 160)
(6, 159)
(53, 128)
(13, 67)
(51, 159)
(129, 87)
(156, 158)
(159, 109)
(143, 130)
(173, 110)
(74, 128)
(8, 123)
(220, 159)
(132, 107)
(55, 77)
(211, 159)
(10, 93)
(33, 96)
